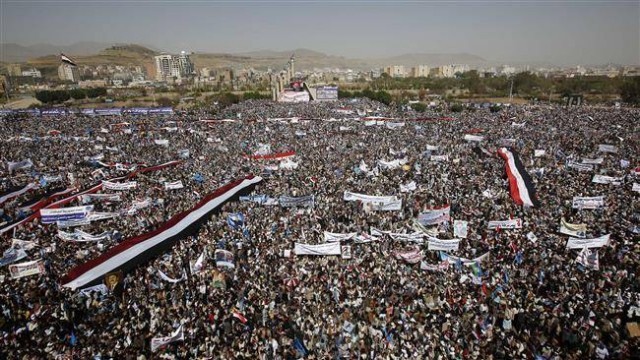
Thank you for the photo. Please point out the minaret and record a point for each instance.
(292, 61)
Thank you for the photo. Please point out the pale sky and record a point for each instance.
(559, 32)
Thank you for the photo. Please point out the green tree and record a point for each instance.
(77, 94)
(630, 90)
(419, 107)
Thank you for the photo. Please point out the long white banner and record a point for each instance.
(588, 203)
(332, 248)
(601, 241)
(444, 245)
(416, 237)
(379, 202)
(602, 179)
(505, 224)
(49, 216)
(333, 237)
(475, 138)
(119, 186)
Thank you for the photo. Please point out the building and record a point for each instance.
(170, 67)
(184, 64)
(163, 66)
(420, 71)
(68, 72)
(92, 83)
(14, 70)
(396, 71)
(33, 72)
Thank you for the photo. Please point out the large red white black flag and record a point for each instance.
(520, 184)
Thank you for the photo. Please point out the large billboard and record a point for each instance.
(326, 93)
(288, 96)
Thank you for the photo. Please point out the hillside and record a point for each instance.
(129, 55)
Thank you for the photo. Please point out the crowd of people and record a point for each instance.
(504, 294)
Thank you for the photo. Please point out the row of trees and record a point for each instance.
(60, 96)
(525, 84)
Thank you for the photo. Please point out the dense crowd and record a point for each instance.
(529, 298)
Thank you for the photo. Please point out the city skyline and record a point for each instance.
(560, 33)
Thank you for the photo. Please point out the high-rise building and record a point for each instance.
(420, 71)
(68, 72)
(169, 67)
(395, 71)
(163, 66)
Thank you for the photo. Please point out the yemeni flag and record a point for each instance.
(238, 315)
(520, 184)
(140, 249)
(67, 60)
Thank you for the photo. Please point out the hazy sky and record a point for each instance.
(561, 32)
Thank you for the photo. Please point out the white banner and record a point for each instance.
(24, 164)
(505, 224)
(597, 161)
(332, 248)
(395, 205)
(72, 223)
(607, 148)
(119, 186)
(26, 269)
(166, 278)
(394, 125)
(88, 198)
(411, 186)
(476, 138)
(601, 241)
(411, 256)
(636, 187)
(602, 179)
(101, 288)
(589, 203)
(574, 230)
(177, 335)
(539, 153)
(161, 142)
(173, 185)
(393, 164)
(49, 216)
(81, 236)
(416, 237)
(97, 216)
(580, 167)
(460, 228)
(464, 261)
(23, 244)
(333, 237)
(444, 245)
(349, 196)
(439, 158)
(435, 216)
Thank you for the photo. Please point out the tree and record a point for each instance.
(419, 107)
(630, 90)
(164, 102)
(456, 108)
(77, 94)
